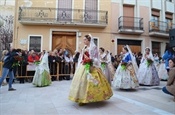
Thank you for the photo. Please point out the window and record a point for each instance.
(169, 24)
(35, 43)
(128, 19)
(156, 48)
(64, 10)
(155, 17)
(96, 41)
(169, 18)
(91, 8)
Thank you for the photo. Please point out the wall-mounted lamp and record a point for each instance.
(79, 34)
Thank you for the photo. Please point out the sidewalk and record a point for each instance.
(53, 100)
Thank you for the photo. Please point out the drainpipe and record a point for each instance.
(174, 13)
(137, 13)
(15, 29)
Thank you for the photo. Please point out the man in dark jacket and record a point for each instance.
(8, 68)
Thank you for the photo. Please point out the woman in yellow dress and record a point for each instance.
(89, 83)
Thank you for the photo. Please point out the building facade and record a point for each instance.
(142, 23)
(46, 25)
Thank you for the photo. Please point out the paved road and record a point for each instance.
(53, 100)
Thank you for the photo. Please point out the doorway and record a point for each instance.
(64, 40)
(135, 45)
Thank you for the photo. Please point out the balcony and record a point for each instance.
(160, 28)
(130, 25)
(62, 16)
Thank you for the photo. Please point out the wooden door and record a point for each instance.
(128, 19)
(64, 40)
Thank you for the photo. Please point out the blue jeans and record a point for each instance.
(5, 72)
(166, 91)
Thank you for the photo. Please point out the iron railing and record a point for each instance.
(160, 26)
(62, 15)
(126, 22)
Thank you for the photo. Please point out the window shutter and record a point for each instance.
(155, 13)
(91, 4)
(64, 10)
(169, 16)
(64, 3)
(91, 11)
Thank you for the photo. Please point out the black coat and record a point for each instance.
(51, 58)
(8, 62)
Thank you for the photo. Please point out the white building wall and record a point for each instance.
(117, 1)
(146, 3)
(131, 2)
(162, 5)
(169, 6)
(157, 4)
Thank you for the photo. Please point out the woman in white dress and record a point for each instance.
(105, 59)
(156, 61)
(42, 74)
(125, 76)
(110, 65)
(162, 72)
(147, 74)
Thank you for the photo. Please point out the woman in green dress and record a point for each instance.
(42, 74)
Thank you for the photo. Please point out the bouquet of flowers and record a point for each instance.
(18, 59)
(88, 63)
(123, 65)
(103, 64)
(149, 62)
(37, 62)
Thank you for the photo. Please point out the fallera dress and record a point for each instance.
(125, 76)
(42, 74)
(92, 86)
(148, 75)
(162, 72)
(104, 66)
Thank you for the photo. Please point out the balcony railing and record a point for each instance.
(160, 26)
(40, 15)
(132, 24)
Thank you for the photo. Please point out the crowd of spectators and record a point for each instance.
(63, 57)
